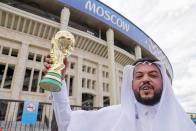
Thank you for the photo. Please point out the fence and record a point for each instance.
(11, 115)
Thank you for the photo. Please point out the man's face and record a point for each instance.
(147, 84)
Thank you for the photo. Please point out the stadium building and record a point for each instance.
(105, 42)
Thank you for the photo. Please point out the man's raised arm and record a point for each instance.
(60, 100)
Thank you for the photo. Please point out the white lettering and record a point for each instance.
(90, 6)
(100, 11)
(126, 27)
(107, 15)
(119, 23)
(113, 19)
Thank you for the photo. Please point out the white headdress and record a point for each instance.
(169, 117)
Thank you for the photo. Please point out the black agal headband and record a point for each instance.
(145, 61)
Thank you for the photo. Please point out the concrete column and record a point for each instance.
(4, 75)
(111, 59)
(19, 71)
(43, 113)
(99, 87)
(65, 14)
(78, 89)
(118, 87)
(18, 78)
(138, 52)
(11, 112)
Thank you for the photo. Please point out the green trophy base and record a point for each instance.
(51, 82)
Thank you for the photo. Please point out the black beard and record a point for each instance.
(151, 101)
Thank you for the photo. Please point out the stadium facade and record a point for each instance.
(105, 42)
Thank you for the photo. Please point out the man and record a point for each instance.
(147, 104)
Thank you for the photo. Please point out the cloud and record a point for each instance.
(175, 4)
(185, 86)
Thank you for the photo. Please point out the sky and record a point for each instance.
(172, 25)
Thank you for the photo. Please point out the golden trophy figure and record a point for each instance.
(62, 45)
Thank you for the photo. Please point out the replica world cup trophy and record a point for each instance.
(62, 45)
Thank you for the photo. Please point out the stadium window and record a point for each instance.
(72, 65)
(31, 56)
(40, 89)
(89, 69)
(20, 110)
(83, 68)
(103, 35)
(3, 109)
(107, 74)
(38, 57)
(94, 71)
(9, 76)
(83, 82)
(93, 84)
(87, 101)
(26, 80)
(88, 83)
(35, 81)
(14, 52)
(106, 101)
(40, 111)
(5, 50)
(71, 80)
(107, 87)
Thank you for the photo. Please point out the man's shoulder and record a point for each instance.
(105, 113)
(111, 108)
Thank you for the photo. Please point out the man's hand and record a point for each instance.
(47, 65)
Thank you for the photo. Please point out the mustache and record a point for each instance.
(146, 86)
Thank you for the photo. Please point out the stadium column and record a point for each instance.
(65, 14)
(112, 66)
(78, 89)
(118, 86)
(138, 52)
(99, 86)
(17, 82)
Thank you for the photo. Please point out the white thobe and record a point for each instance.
(60, 102)
(144, 114)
